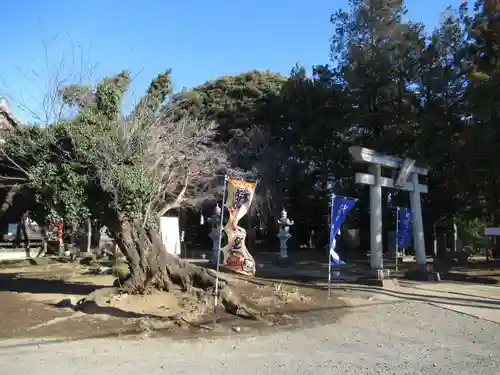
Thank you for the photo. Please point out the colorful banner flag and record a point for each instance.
(235, 254)
(340, 208)
(405, 228)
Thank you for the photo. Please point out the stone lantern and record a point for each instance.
(214, 221)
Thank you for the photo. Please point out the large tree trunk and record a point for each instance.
(152, 267)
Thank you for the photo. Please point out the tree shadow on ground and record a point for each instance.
(92, 308)
(21, 284)
(460, 294)
(24, 284)
(478, 265)
(483, 279)
(308, 279)
(296, 318)
(312, 271)
(204, 327)
(347, 283)
(478, 302)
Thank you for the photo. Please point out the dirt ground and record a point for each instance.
(477, 271)
(43, 301)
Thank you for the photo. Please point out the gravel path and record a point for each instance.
(400, 338)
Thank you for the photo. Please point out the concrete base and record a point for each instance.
(378, 274)
(382, 283)
(282, 262)
(423, 275)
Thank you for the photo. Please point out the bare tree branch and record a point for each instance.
(177, 202)
(179, 160)
(49, 108)
(16, 165)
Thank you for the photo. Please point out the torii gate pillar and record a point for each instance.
(376, 250)
(407, 180)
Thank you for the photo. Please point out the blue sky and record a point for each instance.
(199, 40)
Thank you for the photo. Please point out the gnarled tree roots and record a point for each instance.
(152, 267)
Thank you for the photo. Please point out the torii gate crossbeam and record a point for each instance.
(407, 180)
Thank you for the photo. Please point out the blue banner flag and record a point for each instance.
(405, 227)
(340, 208)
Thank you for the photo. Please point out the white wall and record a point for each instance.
(170, 236)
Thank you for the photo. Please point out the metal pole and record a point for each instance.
(494, 246)
(218, 252)
(396, 237)
(89, 234)
(434, 241)
(329, 243)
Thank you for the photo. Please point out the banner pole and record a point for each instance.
(217, 267)
(329, 245)
(396, 238)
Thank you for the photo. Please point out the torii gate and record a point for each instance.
(407, 179)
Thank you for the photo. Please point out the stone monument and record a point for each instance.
(284, 233)
(214, 221)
